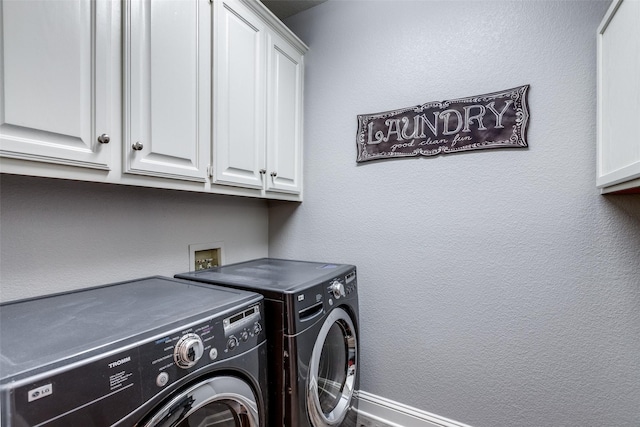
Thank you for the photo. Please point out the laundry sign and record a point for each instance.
(493, 120)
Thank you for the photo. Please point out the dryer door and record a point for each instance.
(216, 402)
(332, 370)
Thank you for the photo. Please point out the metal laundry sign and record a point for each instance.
(494, 120)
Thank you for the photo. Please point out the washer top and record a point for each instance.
(270, 274)
(49, 329)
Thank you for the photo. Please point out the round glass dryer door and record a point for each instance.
(332, 370)
(217, 402)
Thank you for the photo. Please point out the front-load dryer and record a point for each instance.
(312, 333)
(154, 352)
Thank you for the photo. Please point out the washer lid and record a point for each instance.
(50, 329)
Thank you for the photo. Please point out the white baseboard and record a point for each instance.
(379, 411)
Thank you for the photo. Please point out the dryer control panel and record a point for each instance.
(311, 303)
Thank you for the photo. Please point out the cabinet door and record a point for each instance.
(284, 122)
(239, 96)
(55, 86)
(167, 88)
(619, 95)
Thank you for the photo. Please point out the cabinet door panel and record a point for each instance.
(239, 96)
(619, 94)
(284, 144)
(55, 90)
(167, 88)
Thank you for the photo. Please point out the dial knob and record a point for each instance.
(257, 328)
(337, 289)
(188, 351)
(232, 342)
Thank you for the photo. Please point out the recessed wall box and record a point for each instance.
(205, 255)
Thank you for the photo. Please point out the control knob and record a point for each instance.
(257, 328)
(188, 351)
(232, 342)
(337, 289)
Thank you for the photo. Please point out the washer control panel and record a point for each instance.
(242, 327)
(174, 356)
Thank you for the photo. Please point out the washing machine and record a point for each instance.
(153, 352)
(312, 332)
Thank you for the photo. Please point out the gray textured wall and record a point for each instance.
(498, 288)
(58, 235)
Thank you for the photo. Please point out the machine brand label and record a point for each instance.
(120, 362)
(40, 392)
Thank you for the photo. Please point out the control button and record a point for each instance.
(257, 328)
(213, 353)
(188, 351)
(232, 342)
(162, 379)
(244, 335)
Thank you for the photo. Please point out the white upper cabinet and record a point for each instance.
(167, 99)
(258, 80)
(194, 95)
(284, 116)
(56, 86)
(619, 98)
(239, 95)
